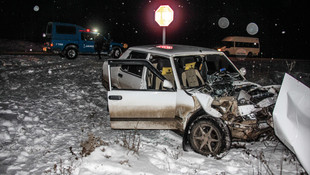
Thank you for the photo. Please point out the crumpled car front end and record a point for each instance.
(244, 106)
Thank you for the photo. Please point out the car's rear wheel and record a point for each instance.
(250, 55)
(206, 137)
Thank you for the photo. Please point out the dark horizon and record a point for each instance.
(282, 24)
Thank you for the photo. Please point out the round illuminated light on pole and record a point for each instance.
(164, 15)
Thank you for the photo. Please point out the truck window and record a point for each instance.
(65, 29)
(88, 36)
(49, 28)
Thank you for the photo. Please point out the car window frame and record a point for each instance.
(129, 57)
(146, 66)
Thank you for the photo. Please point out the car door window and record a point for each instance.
(163, 66)
(133, 70)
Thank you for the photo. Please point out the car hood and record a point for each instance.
(292, 118)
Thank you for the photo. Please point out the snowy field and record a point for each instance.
(54, 120)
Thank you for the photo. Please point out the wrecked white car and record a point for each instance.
(195, 90)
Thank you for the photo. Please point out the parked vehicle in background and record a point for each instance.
(240, 46)
(195, 90)
(71, 40)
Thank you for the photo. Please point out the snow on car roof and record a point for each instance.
(174, 49)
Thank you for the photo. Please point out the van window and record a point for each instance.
(228, 44)
(65, 29)
(244, 44)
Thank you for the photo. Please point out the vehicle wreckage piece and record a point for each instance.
(292, 118)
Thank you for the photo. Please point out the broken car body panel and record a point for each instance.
(292, 118)
(204, 83)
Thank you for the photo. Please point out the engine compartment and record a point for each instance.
(245, 107)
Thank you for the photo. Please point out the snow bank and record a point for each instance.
(49, 105)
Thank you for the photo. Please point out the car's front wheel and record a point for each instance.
(206, 137)
(116, 52)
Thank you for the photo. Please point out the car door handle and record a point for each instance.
(120, 75)
(115, 97)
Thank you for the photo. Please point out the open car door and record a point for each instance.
(144, 107)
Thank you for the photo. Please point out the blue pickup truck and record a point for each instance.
(71, 40)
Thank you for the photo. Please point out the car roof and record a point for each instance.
(174, 49)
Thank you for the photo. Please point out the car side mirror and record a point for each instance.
(243, 71)
(167, 84)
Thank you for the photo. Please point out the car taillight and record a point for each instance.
(125, 46)
(52, 45)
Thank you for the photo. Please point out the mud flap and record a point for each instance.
(185, 143)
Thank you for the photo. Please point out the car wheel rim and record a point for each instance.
(71, 53)
(116, 53)
(206, 138)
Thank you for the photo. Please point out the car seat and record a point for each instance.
(191, 76)
(164, 67)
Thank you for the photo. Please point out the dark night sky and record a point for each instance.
(282, 23)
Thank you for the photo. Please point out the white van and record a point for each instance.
(241, 46)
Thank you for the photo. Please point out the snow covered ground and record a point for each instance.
(53, 112)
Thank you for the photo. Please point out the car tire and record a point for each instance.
(250, 55)
(207, 137)
(71, 53)
(116, 52)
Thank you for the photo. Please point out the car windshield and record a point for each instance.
(199, 70)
